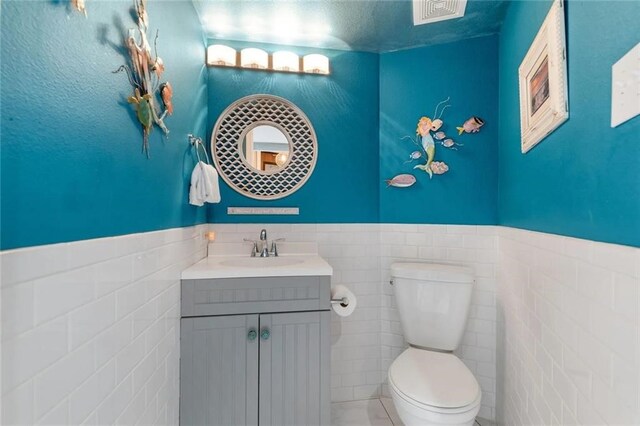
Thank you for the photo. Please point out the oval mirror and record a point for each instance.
(265, 148)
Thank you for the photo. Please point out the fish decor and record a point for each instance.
(144, 72)
(166, 92)
(143, 112)
(448, 142)
(401, 181)
(413, 156)
(472, 125)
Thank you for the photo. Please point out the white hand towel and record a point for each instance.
(212, 185)
(197, 191)
(204, 185)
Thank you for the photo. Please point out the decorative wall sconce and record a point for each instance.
(219, 55)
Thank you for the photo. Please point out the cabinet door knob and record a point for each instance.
(252, 334)
(264, 334)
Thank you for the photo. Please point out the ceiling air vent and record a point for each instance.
(428, 11)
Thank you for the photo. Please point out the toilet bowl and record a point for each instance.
(433, 388)
(429, 384)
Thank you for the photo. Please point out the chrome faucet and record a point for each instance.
(264, 251)
(265, 245)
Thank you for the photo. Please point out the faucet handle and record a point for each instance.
(263, 235)
(274, 247)
(254, 250)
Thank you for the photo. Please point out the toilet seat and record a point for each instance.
(434, 381)
(413, 414)
(420, 406)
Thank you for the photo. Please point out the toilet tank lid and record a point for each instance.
(432, 272)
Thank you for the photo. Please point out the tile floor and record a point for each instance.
(372, 412)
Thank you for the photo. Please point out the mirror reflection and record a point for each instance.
(265, 148)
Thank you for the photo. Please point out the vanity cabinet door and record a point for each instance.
(219, 371)
(295, 369)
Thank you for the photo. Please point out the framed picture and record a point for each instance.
(543, 81)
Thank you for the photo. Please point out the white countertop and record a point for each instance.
(225, 261)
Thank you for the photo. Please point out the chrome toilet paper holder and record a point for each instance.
(343, 301)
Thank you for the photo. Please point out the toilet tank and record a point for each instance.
(433, 302)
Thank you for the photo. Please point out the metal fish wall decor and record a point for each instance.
(429, 133)
(401, 181)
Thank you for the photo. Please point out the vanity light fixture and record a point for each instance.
(286, 61)
(252, 57)
(221, 55)
(315, 64)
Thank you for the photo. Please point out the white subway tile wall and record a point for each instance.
(90, 329)
(473, 246)
(569, 331)
(365, 343)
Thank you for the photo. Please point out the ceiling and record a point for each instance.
(363, 25)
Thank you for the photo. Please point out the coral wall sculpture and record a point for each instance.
(144, 72)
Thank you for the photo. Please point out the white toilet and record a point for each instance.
(429, 384)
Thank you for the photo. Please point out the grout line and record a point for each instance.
(386, 411)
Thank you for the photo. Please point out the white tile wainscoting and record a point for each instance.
(569, 331)
(90, 329)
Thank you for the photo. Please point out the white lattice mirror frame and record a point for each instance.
(234, 123)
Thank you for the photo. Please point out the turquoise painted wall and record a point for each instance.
(343, 108)
(584, 179)
(71, 163)
(412, 83)
(71, 166)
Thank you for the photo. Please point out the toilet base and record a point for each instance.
(413, 415)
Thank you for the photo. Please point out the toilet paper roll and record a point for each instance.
(344, 310)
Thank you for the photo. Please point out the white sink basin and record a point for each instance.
(289, 265)
(261, 262)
